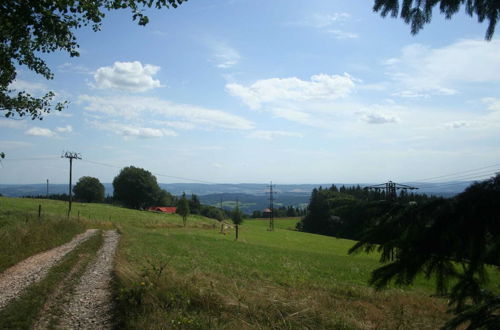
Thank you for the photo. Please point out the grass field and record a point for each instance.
(168, 276)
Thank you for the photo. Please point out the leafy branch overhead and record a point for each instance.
(417, 13)
(31, 28)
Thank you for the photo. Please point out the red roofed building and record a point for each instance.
(266, 213)
(164, 209)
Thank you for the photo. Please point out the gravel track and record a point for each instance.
(91, 305)
(31, 270)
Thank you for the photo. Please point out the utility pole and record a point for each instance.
(47, 188)
(238, 215)
(271, 207)
(70, 156)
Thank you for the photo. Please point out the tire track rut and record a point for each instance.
(31, 270)
(91, 304)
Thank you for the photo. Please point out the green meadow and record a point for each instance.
(195, 277)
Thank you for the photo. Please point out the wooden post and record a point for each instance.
(236, 227)
(39, 211)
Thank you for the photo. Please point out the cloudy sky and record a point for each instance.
(232, 91)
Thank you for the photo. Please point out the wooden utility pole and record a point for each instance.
(70, 156)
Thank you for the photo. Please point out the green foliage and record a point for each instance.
(213, 212)
(136, 188)
(183, 208)
(417, 13)
(165, 198)
(30, 28)
(89, 190)
(452, 240)
(194, 204)
(237, 216)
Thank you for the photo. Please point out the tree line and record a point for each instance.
(281, 212)
(345, 212)
(137, 188)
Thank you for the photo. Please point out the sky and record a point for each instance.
(240, 91)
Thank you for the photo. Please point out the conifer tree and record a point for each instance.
(452, 240)
(183, 208)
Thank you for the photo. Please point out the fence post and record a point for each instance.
(236, 227)
(39, 211)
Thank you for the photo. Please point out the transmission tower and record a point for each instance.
(70, 156)
(271, 206)
(390, 189)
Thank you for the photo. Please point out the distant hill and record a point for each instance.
(252, 196)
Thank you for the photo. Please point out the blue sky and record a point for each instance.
(252, 91)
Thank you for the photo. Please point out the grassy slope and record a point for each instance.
(169, 276)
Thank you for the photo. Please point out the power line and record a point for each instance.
(29, 159)
(471, 177)
(156, 174)
(455, 173)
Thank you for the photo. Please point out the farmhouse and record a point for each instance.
(266, 213)
(164, 209)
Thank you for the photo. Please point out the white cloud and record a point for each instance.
(39, 131)
(65, 129)
(137, 108)
(14, 124)
(457, 124)
(492, 103)
(320, 21)
(340, 35)
(134, 131)
(422, 70)
(271, 135)
(329, 23)
(224, 55)
(277, 90)
(69, 67)
(378, 118)
(183, 125)
(28, 86)
(127, 76)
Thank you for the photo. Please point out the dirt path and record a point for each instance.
(59, 296)
(91, 304)
(34, 268)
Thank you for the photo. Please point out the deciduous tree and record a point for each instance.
(136, 188)
(89, 189)
(31, 28)
(237, 216)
